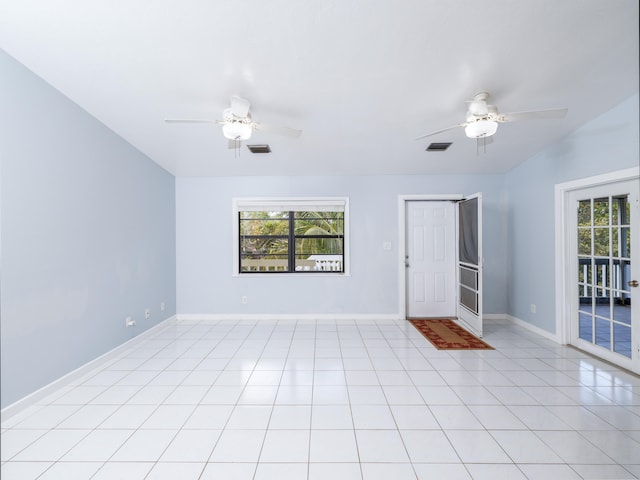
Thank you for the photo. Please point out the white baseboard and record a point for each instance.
(532, 328)
(188, 317)
(35, 397)
(496, 317)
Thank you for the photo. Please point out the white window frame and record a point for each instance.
(288, 204)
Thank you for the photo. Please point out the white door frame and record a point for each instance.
(562, 190)
(402, 200)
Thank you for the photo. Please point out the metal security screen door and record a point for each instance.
(604, 240)
(470, 263)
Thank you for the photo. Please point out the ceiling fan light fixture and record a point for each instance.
(481, 128)
(237, 131)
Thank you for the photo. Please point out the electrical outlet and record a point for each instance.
(244, 299)
(386, 245)
(162, 306)
(147, 313)
(129, 322)
(533, 308)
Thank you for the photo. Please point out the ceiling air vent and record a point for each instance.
(259, 148)
(438, 147)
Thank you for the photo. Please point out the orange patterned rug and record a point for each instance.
(445, 334)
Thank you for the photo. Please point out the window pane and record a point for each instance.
(263, 215)
(625, 275)
(615, 211)
(255, 247)
(622, 308)
(319, 244)
(622, 339)
(584, 213)
(319, 223)
(625, 242)
(585, 304)
(584, 241)
(601, 211)
(602, 277)
(589, 272)
(264, 223)
(264, 254)
(601, 242)
(264, 241)
(626, 209)
(584, 270)
(585, 328)
(320, 263)
(603, 304)
(603, 333)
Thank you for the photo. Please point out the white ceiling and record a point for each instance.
(360, 78)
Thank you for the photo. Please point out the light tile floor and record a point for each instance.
(332, 400)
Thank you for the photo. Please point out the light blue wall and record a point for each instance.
(606, 144)
(87, 237)
(205, 284)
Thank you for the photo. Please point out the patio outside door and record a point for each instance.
(430, 259)
(604, 237)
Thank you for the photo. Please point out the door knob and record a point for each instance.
(633, 283)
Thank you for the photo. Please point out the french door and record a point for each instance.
(603, 236)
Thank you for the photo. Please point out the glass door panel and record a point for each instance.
(603, 252)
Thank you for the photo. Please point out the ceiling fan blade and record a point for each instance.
(189, 120)
(239, 106)
(277, 129)
(534, 114)
(440, 131)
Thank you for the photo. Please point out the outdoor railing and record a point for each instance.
(282, 265)
(603, 279)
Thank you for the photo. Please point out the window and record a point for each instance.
(291, 235)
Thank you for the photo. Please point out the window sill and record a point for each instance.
(292, 274)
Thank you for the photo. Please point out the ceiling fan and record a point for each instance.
(482, 119)
(237, 124)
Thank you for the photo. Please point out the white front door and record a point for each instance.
(430, 258)
(470, 263)
(603, 234)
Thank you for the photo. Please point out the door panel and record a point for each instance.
(603, 239)
(419, 295)
(430, 259)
